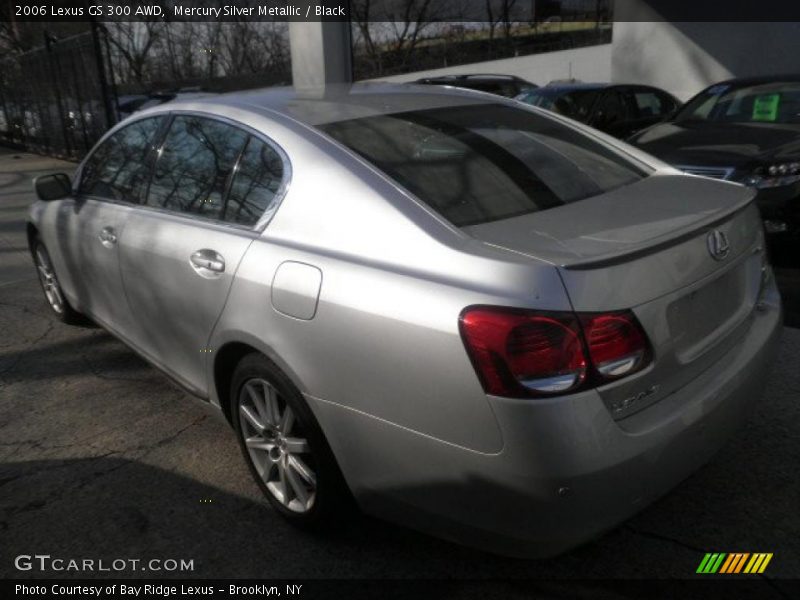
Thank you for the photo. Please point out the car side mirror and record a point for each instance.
(52, 187)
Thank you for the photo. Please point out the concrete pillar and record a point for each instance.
(321, 53)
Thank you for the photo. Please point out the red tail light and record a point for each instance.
(617, 344)
(522, 353)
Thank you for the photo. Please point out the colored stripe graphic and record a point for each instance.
(711, 562)
(727, 564)
(758, 563)
(703, 563)
(740, 563)
(720, 562)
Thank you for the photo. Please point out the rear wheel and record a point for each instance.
(284, 447)
(51, 287)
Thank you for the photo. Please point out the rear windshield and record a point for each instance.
(480, 163)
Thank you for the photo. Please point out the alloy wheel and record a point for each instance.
(47, 275)
(277, 446)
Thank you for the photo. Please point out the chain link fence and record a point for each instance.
(57, 99)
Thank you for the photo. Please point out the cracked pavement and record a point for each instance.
(102, 457)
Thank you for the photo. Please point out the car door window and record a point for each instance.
(648, 104)
(668, 102)
(195, 163)
(610, 110)
(255, 186)
(582, 102)
(118, 168)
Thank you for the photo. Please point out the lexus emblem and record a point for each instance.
(718, 245)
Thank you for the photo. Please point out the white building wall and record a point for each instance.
(684, 58)
(589, 64)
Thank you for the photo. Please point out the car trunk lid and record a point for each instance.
(646, 248)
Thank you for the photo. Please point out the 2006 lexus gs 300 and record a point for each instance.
(469, 316)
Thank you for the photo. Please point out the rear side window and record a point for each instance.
(118, 169)
(192, 172)
(575, 104)
(611, 109)
(257, 181)
(651, 104)
(480, 163)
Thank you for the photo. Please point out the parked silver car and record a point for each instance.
(470, 316)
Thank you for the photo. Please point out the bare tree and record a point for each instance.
(390, 30)
(134, 42)
(499, 13)
(183, 50)
(272, 44)
(506, 13)
(234, 47)
(210, 37)
(409, 20)
(361, 11)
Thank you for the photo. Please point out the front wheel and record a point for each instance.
(51, 287)
(284, 446)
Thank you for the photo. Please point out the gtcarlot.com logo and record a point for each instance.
(46, 562)
(734, 563)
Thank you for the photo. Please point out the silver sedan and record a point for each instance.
(448, 309)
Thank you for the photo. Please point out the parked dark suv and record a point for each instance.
(619, 110)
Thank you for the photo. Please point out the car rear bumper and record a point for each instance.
(567, 471)
(600, 471)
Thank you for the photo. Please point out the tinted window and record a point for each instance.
(649, 104)
(255, 184)
(574, 104)
(611, 109)
(480, 163)
(118, 168)
(770, 102)
(196, 160)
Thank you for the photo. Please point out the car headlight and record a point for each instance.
(774, 175)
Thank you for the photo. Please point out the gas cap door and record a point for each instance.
(295, 289)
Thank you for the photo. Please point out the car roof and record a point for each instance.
(336, 102)
(755, 80)
(568, 87)
(473, 77)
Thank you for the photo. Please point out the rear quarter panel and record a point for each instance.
(384, 340)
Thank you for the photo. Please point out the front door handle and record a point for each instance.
(108, 237)
(207, 262)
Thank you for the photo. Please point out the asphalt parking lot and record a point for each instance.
(100, 456)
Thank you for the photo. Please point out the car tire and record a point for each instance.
(53, 293)
(286, 452)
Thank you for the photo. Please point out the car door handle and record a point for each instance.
(207, 260)
(108, 237)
